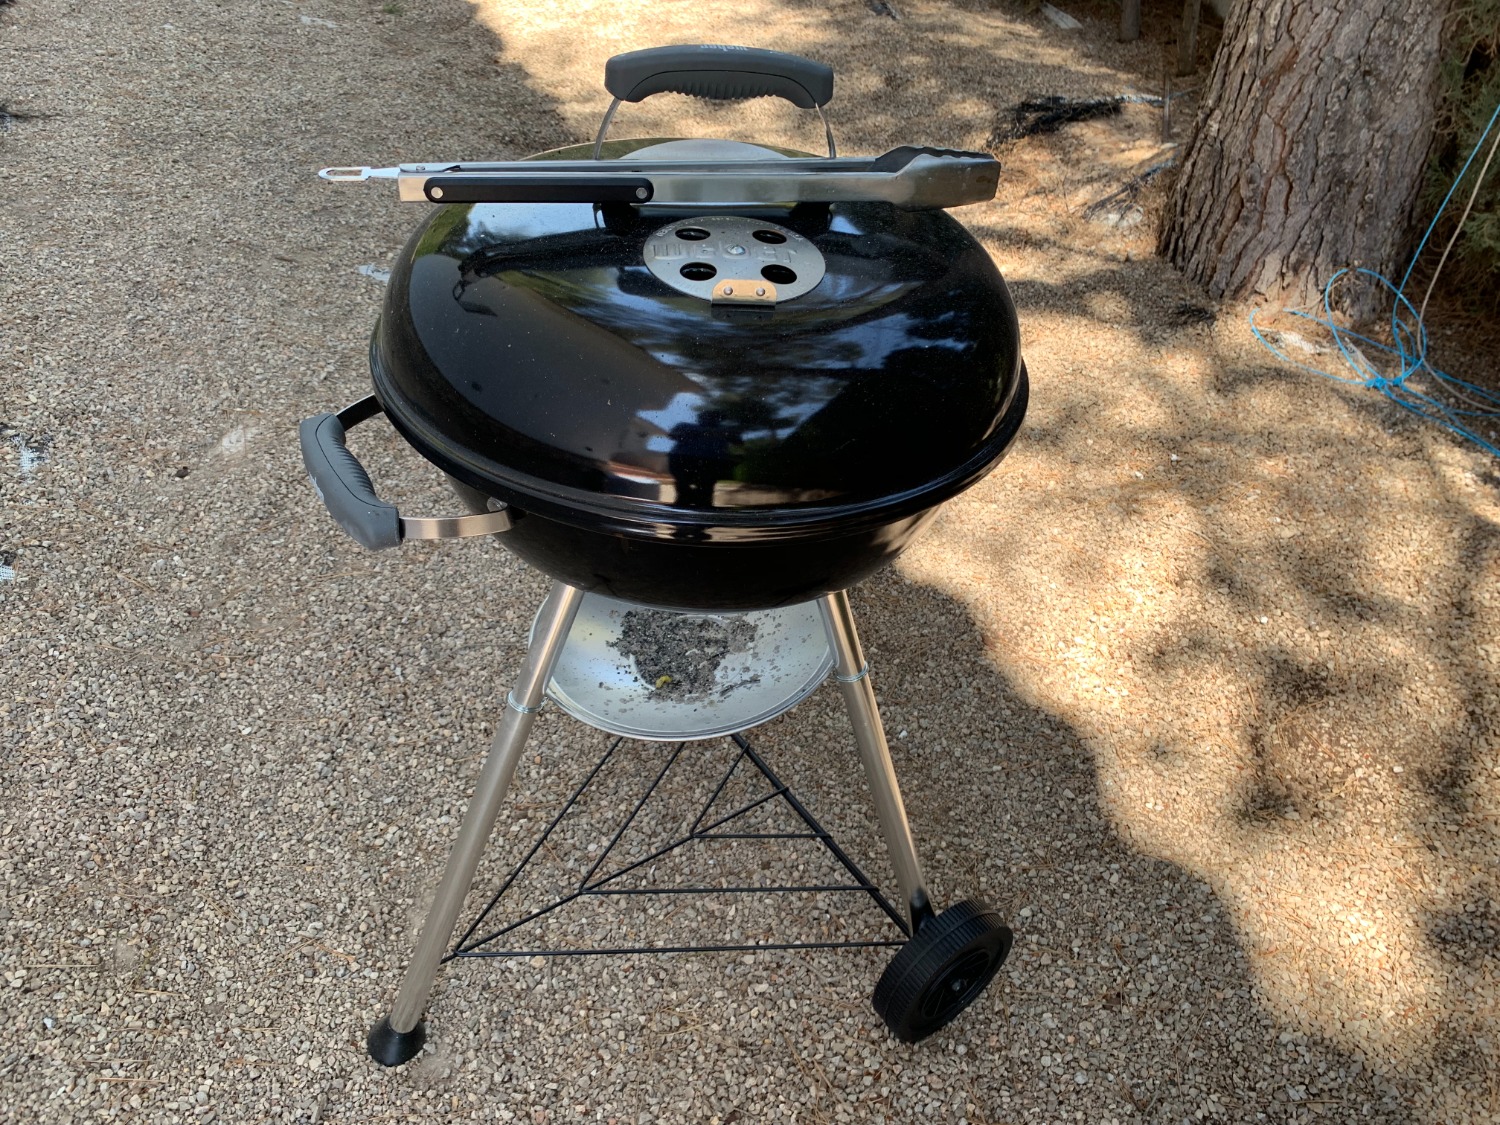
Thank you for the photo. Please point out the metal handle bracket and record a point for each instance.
(456, 527)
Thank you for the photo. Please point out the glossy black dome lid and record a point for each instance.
(528, 350)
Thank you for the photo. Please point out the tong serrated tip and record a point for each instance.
(345, 175)
(358, 175)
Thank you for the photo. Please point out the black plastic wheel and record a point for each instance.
(942, 970)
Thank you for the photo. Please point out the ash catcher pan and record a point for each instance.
(667, 675)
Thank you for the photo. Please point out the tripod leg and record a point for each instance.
(397, 1038)
(859, 697)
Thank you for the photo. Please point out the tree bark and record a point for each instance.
(1308, 150)
(1130, 20)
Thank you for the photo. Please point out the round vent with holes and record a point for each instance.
(709, 252)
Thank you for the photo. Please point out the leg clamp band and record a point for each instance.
(510, 701)
(854, 679)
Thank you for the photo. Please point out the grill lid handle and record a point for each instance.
(722, 73)
(726, 74)
(345, 489)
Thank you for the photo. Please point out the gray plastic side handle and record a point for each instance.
(341, 481)
(723, 73)
(345, 489)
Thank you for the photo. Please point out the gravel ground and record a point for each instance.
(1200, 687)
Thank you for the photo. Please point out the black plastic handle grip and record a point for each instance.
(341, 481)
(473, 187)
(722, 73)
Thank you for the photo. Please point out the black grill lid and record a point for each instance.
(528, 350)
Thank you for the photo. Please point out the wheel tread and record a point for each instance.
(944, 938)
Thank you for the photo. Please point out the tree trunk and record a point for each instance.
(1130, 20)
(1308, 150)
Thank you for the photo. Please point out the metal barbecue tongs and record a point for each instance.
(911, 177)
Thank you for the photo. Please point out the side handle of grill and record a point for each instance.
(345, 489)
(722, 73)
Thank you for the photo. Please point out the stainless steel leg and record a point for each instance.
(859, 697)
(398, 1038)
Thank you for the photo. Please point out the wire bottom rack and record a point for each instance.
(750, 843)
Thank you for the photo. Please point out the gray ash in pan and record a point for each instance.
(679, 654)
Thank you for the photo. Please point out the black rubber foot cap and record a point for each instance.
(390, 1047)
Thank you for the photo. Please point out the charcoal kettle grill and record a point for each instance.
(704, 386)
